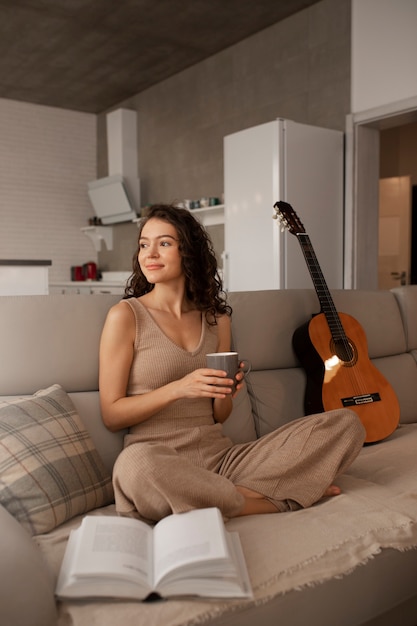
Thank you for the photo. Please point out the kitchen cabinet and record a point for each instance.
(23, 277)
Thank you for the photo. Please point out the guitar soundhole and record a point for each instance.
(345, 350)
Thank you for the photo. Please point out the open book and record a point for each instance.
(184, 554)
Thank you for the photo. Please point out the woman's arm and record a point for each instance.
(116, 355)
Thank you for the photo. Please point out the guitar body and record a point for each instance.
(340, 374)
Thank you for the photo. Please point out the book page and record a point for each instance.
(188, 538)
(216, 579)
(117, 547)
(112, 557)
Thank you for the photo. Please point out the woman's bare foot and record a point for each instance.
(249, 493)
(331, 491)
(255, 503)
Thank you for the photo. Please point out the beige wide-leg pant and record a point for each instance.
(198, 467)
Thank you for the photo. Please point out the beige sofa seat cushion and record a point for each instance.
(288, 551)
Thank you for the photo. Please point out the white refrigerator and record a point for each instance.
(299, 164)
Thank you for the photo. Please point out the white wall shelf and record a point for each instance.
(210, 215)
(97, 234)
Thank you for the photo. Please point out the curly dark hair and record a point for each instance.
(204, 287)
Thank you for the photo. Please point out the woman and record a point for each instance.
(154, 382)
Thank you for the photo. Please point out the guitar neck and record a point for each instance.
(326, 301)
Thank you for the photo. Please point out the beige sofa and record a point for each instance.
(349, 560)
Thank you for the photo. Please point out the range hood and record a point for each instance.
(110, 200)
(116, 198)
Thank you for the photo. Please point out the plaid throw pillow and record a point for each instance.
(50, 470)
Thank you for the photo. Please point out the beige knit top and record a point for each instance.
(157, 361)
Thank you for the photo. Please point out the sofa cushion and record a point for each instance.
(50, 470)
(239, 426)
(263, 323)
(276, 397)
(380, 317)
(64, 328)
(401, 372)
(406, 297)
(109, 445)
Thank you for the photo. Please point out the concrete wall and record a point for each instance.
(384, 52)
(298, 69)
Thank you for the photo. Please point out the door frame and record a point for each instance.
(361, 188)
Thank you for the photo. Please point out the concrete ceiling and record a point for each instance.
(89, 55)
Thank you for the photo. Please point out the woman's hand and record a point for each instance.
(205, 383)
(222, 406)
(239, 381)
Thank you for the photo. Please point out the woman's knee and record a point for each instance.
(135, 479)
(139, 460)
(352, 425)
(345, 422)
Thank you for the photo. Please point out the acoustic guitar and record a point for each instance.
(333, 351)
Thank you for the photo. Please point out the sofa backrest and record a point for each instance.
(51, 339)
(263, 326)
(407, 301)
(55, 339)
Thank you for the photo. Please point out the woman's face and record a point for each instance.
(159, 255)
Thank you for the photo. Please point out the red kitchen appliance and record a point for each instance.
(90, 271)
(77, 272)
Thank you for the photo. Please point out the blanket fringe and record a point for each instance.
(372, 546)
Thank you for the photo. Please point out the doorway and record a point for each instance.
(413, 279)
(364, 136)
(394, 232)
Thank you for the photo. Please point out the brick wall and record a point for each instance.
(47, 156)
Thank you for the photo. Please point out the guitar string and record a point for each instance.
(333, 319)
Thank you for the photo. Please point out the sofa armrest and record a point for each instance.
(26, 590)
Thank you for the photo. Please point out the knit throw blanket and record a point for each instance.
(287, 551)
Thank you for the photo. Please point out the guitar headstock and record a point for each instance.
(288, 217)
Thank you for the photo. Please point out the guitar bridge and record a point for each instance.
(365, 398)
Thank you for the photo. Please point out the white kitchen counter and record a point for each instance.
(89, 287)
(24, 277)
